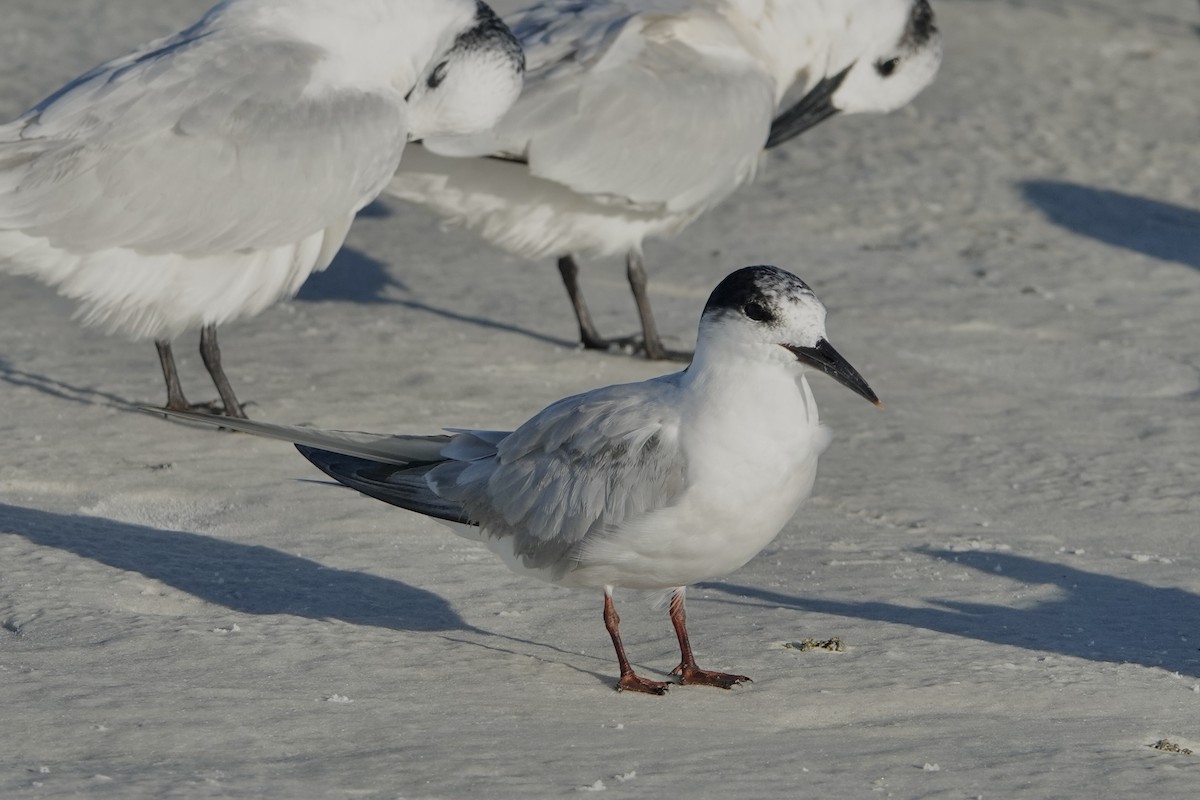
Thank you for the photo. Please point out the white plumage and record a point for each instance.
(204, 176)
(648, 485)
(639, 115)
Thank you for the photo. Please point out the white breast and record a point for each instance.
(746, 480)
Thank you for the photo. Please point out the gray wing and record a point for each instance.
(202, 143)
(661, 107)
(583, 465)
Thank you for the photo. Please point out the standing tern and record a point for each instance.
(650, 485)
(204, 176)
(639, 115)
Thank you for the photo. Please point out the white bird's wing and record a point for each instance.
(662, 108)
(197, 145)
(585, 465)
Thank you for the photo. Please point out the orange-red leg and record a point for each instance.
(629, 680)
(688, 672)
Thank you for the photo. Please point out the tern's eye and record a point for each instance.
(756, 312)
(437, 76)
(886, 68)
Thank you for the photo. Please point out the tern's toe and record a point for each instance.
(633, 683)
(694, 676)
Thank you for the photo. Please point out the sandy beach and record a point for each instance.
(1010, 551)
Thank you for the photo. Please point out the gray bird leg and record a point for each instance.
(637, 282)
(588, 335)
(649, 343)
(210, 352)
(175, 399)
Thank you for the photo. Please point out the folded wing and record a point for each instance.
(585, 464)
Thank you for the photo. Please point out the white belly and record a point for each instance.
(713, 530)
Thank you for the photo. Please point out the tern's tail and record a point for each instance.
(388, 449)
(388, 468)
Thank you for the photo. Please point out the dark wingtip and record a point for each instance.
(321, 459)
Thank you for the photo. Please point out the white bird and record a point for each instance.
(649, 485)
(204, 176)
(639, 115)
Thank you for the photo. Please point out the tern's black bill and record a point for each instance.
(815, 107)
(830, 361)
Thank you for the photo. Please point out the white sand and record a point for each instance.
(1009, 551)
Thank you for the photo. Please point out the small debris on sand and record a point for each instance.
(1167, 746)
(834, 645)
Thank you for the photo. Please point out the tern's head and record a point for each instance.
(768, 314)
(470, 84)
(901, 50)
(884, 52)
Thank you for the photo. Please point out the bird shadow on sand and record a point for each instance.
(355, 277)
(489, 324)
(258, 580)
(1161, 230)
(1096, 617)
(374, 210)
(84, 395)
(248, 578)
